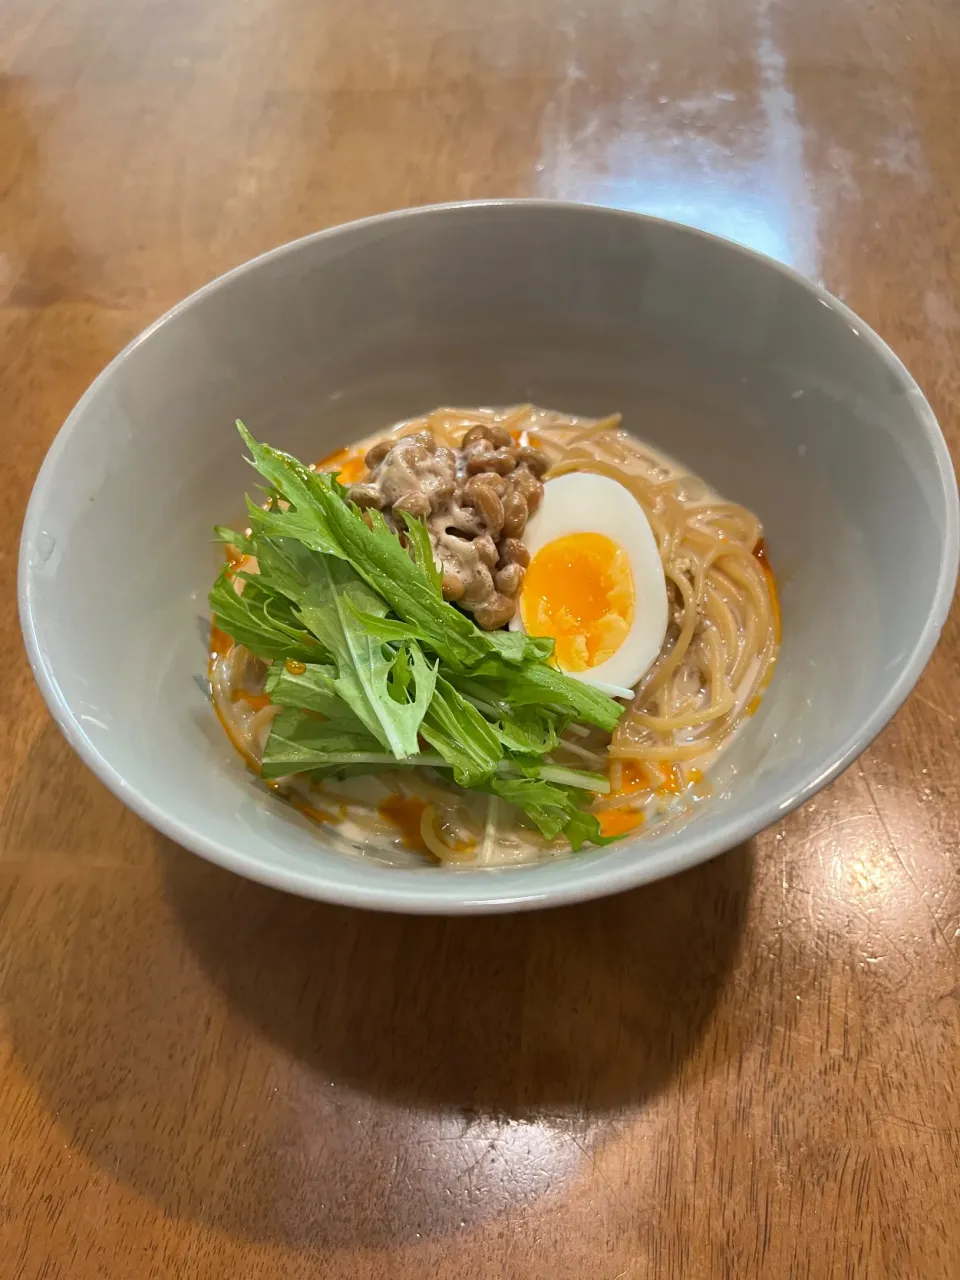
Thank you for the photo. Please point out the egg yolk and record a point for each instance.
(579, 590)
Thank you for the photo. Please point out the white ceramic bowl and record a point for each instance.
(767, 386)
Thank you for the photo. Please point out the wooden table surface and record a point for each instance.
(749, 1070)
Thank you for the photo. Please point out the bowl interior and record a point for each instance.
(769, 389)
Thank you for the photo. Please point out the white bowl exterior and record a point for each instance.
(771, 389)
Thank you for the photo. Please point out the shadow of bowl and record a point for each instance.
(288, 1071)
(591, 1007)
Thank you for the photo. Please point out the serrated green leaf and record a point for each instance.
(340, 592)
(313, 689)
(299, 742)
(328, 596)
(321, 519)
(262, 620)
(422, 548)
(552, 809)
(457, 730)
(527, 731)
(517, 648)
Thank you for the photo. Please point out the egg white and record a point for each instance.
(586, 503)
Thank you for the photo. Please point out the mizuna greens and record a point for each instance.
(373, 670)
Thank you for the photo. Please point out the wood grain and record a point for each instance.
(750, 1070)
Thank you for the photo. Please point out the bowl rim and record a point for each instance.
(582, 877)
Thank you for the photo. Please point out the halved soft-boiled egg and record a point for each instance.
(595, 582)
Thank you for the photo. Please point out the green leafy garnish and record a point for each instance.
(262, 620)
(527, 731)
(329, 596)
(299, 742)
(320, 517)
(517, 647)
(537, 684)
(373, 669)
(419, 543)
(551, 808)
(459, 733)
(312, 688)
